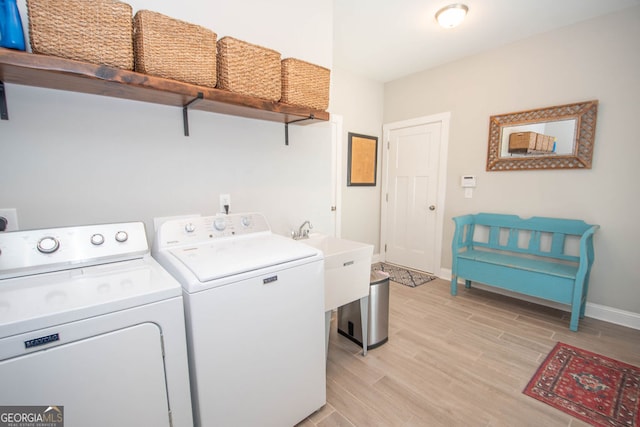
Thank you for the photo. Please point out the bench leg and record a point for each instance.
(576, 313)
(575, 317)
(454, 285)
(577, 306)
(583, 306)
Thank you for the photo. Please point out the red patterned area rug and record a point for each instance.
(588, 386)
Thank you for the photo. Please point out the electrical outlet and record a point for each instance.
(225, 199)
(11, 218)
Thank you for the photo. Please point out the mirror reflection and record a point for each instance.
(539, 139)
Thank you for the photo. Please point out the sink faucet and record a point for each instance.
(302, 233)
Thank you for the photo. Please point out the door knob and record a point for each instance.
(432, 207)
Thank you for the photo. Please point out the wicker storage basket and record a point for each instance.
(98, 31)
(174, 49)
(521, 142)
(305, 84)
(544, 143)
(530, 142)
(248, 69)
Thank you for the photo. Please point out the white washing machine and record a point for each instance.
(254, 305)
(91, 324)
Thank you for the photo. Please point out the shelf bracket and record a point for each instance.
(185, 111)
(286, 127)
(4, 111)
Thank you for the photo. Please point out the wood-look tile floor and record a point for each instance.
(457, 361)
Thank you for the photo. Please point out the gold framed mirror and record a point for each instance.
(559, 137)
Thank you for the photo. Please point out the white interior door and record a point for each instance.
(412, 217)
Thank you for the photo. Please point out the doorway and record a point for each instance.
(413, 192)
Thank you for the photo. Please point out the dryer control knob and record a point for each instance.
(122, 236)
(219, 224)
(48, 245)
(246, 221)
(189, 227)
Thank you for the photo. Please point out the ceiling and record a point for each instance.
(385, 40)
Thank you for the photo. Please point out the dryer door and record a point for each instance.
(113, 379)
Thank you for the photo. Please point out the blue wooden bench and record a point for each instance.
(528, 256)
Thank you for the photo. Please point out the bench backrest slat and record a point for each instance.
(557, 243)
(514, 236)
(534, 242)
(494, 236)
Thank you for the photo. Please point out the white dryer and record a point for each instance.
(91, 324)
(254, 305)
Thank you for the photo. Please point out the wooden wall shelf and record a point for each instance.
(58, 73)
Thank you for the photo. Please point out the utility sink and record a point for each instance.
(347, 269)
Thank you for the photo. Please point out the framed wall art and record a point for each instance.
(363, 158)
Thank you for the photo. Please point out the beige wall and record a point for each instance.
(598, 59)
(360, 102)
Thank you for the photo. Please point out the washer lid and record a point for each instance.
(228, 257)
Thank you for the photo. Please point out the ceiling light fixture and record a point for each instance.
(452, 15)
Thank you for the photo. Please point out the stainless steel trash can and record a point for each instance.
(349, 323)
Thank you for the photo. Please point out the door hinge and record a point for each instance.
(385, 247)
(388, 145)
(386, 196)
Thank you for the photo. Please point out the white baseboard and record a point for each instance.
(613, 315)
(595, 311)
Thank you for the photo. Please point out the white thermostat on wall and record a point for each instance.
(468, 181)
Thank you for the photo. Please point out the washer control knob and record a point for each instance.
(189, 227)
(219, 224)
(246, 221)
(48, 245)
(122, 236)
(97, 239)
